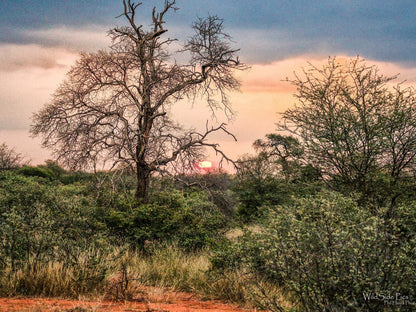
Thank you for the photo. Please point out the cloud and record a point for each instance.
(28, 76)
(88, 38)
(264, 46)
(14, 57)
(264, 96)
(271, 77)
(381, 30)
(406, 74)
(267, 30)
(24, 91)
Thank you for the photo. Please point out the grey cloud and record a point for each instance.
(89, 38)
(15, 57)
(384, 30)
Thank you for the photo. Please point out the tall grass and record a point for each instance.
(171, 267)
(57, 278)
(164, 266)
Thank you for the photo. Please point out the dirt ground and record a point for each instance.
(153, 300)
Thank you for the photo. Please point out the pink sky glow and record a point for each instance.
(29, 74)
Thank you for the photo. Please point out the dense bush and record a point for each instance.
(43, 221)
(216, 184)
(190, 219)
(58, 233)
(40, 172)
(255, 195)
(261, 181)
(327, 254)
(316, 249)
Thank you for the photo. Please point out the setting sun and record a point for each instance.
(205, 164)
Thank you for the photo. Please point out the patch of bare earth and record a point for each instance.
(152, 300)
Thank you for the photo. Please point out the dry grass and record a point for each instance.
(164, 267)
(171, 267)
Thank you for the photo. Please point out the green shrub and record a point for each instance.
(40, 172)
(76, 177)
(254, 194)
(53, 168)
(42, 221)
(216, 184)
(328, 253)
(191, 219)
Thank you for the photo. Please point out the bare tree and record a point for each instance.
(9, 158)
(114, 105)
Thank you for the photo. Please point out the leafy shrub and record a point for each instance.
(327, 253)
(216, 184)
(192, 220)
(255, 194)
(56, 170)
(43, 221)
(30, 171)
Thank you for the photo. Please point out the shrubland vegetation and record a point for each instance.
(286, 232)
(322, 218)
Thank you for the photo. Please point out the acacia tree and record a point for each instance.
(114, 105)
(355, 127)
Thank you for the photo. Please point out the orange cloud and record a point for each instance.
(264, 95)
(272, 77)
(29, 74)
(17, 57)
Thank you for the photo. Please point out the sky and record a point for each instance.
(41, 39)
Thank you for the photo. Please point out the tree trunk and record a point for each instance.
(143, 179)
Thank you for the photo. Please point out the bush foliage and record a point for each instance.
(190, 219)
(74, 220)
(305, 248)
(327, 253)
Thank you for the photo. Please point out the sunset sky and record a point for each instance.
(41, 39)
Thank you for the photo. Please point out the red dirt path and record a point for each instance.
(153, 301)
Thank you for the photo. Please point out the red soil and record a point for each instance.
(155, 300)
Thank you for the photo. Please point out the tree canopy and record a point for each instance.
(114, 104)
(355, 126)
